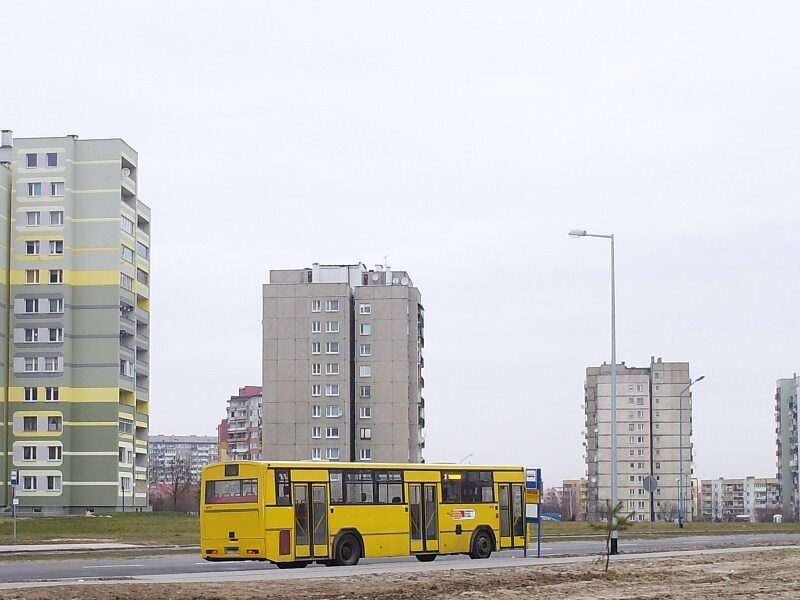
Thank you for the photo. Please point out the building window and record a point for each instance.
(127, 225)
(126, 253)
(316, 411)
(54, 453)
(316, 389)
(31, 276)
(56, 247)
(54, 483)
(56, 334)
(126, 368)
(56, 188)
(366, 391)
(332, 389)
(365, 371)
(331, 347)
(316, 347)
(332, 369)
(332, 453)
(142, 276)
(56, 305)
(316, 432)
(142, 250)
(365, 329)
(365, 412)
(31, 365)
(640, 401)
(332, 433)
(365, 309)
(32, 218)
(31, 335)
(56, 217)
(32, 248)
(365, 454)
(365, 349)
(29, 453)
(630, 426)
(316, 454)
(333, 411)
(31, 394)
(316, 326)
(50, 364)
(56, 276)
(54, 424)
(52, 159)
(51, 394)
(34, 190)
(31, 305)
(28, 482)
(32, 160)
(366, 433)
(316, 369)
(316, 305)
(126, 282)
(29, 424)
(331, 306)
(332, 327)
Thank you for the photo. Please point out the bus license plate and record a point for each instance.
(231, 551)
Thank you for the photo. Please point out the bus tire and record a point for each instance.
(425, 557)
(482, 544)
(297, 564)
(348, 551)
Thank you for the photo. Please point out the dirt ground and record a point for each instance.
(773, 574)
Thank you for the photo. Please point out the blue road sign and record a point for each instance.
(14, 477)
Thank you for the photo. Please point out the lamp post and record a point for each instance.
(578, 233)
(681, 487)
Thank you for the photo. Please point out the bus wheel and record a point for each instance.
(348, 551)
(297, 564)
(481, 545)
(425, 557)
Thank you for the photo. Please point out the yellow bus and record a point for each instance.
(296, 513)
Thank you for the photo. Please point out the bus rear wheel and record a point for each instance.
(425, 557)
(348, 551)
(481, 545)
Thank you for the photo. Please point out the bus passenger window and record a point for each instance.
(282, 488)
(337, 493)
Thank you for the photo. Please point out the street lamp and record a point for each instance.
(681, 492)
(578, 233)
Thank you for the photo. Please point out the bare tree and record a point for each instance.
(668, 511)
(180, 478)
(569, 504)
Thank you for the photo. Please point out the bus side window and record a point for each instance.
(282, 488)
(337, 494)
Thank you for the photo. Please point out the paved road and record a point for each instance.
(187, 564)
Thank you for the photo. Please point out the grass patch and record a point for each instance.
(104, 554)
(556, 529)
(155, 528)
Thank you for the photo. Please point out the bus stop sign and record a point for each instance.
(14, 477)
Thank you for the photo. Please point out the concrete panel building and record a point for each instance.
(343, 365)
(242, 428)
(76, 260)
(725, 499)
(786, 395)
(195, 451)
(648, 440)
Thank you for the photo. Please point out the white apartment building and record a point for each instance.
(726, 499)
(648, 439)
(195, 451)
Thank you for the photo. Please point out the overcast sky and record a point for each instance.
(464, 140)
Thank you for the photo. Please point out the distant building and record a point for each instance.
(649, 443)
(343, 365)
(222, 437)
(786, 395)
(195, 451)
(574, 499)
(243, 427)
(728, 499)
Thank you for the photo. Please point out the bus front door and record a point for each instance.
(423, 508)
(512, 519)
(310, 520)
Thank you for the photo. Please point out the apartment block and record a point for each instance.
(786, 395)
(75, 330)
(343, 365)
(574, 499)
(194, 451)
(648, 439)
(240, 436)
(751, 498)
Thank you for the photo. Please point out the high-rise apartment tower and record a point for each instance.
(786, 395)
(74, 325)
(648, 440)
(343, 365)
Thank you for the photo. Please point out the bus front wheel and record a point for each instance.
(481, 545)
(348, 551)
(297, 564)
